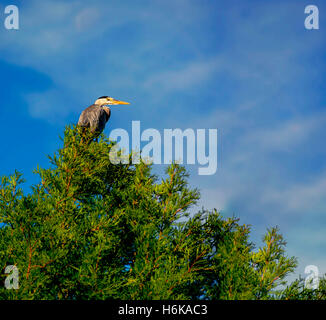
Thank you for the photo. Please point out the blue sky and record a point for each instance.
(247, 68)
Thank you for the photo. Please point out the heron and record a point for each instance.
(98, 114)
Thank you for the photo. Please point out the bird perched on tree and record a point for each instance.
(98, 114)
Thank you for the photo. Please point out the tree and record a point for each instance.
(91, 229)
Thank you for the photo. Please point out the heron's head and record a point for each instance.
(108, 101)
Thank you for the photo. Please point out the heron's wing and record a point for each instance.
(89, 117)
(94, 117)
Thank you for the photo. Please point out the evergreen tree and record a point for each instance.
(92, 229)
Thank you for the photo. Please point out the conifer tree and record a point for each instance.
(92, 229)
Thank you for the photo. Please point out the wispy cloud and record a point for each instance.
(186, 78)
(299, 198)
(285, 136)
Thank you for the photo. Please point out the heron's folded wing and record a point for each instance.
(90, 116)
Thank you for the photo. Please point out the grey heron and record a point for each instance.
(98, 114)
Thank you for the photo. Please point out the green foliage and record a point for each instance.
(297, 291)
(92, 229)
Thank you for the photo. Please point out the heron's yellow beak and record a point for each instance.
(116, 102)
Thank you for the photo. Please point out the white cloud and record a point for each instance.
(195, 73)
(299, 198)
(286, 135)
(87, 18)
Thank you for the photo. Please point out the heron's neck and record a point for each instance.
(106, 108)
